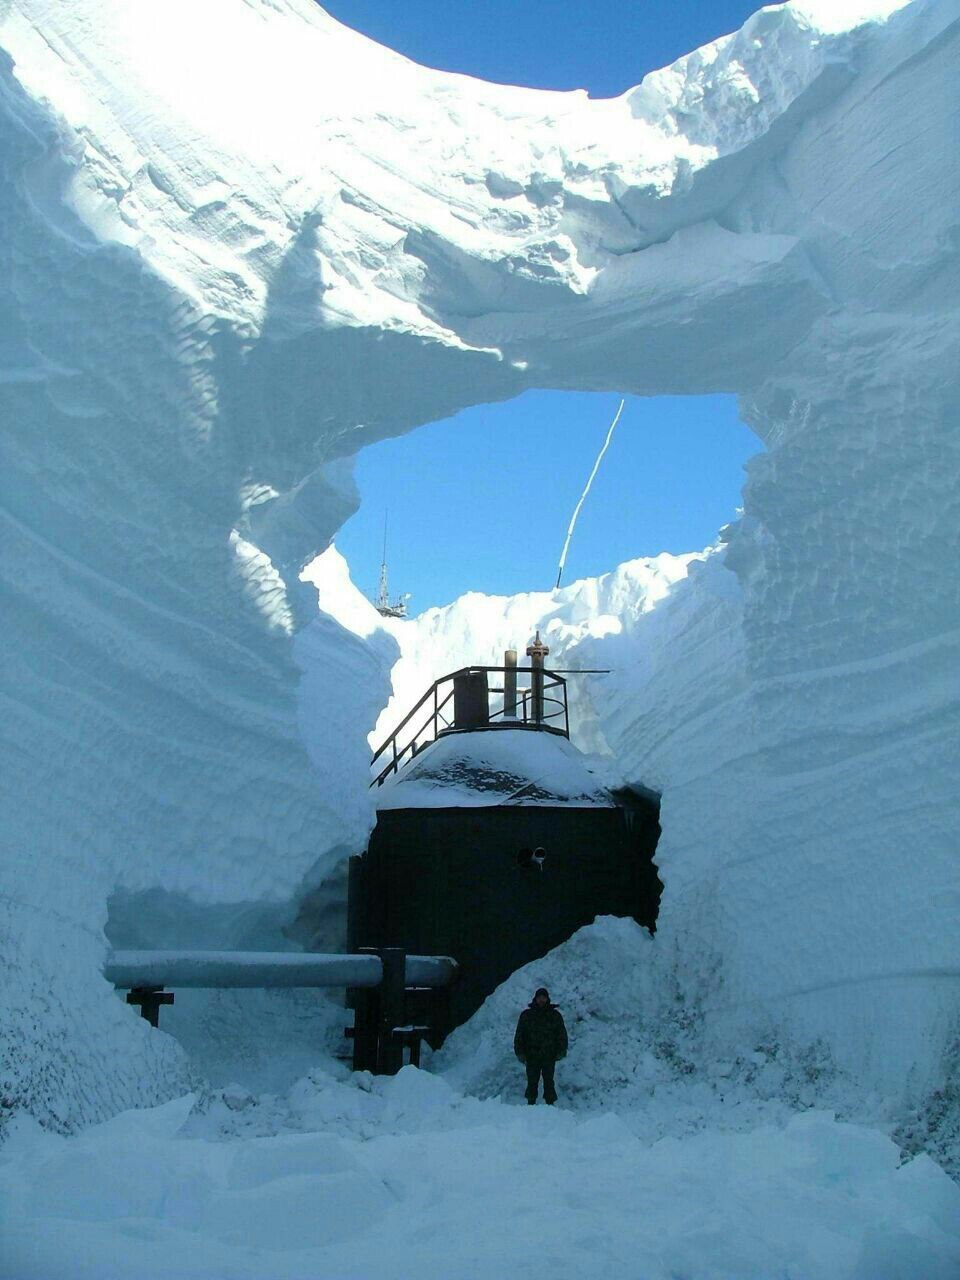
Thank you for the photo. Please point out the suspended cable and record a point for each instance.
(586, 490)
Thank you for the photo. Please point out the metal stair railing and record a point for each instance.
(552, 702)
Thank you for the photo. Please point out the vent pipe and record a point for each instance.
(536, 652)
(510, 685)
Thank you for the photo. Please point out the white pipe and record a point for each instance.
(130, 969)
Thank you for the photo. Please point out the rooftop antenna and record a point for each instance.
(382, 604)
(586, 490)
(383, 599)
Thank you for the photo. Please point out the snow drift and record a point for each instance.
(240, 242)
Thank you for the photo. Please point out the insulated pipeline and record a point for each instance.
(133, 969)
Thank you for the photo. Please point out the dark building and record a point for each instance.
(495, 843)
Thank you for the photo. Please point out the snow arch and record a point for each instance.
(231, 260)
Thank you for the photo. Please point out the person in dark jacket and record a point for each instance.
(540, 1042)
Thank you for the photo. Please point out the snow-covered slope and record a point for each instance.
(240, 242)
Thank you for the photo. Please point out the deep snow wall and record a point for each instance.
(239, 242)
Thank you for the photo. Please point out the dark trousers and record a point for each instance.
(535, 1068)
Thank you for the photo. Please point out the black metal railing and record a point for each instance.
(528, 698)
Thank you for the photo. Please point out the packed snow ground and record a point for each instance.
(413, 1180)
(651, 1167)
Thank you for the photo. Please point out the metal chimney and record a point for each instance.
(536, 652)
(510, 685)
(471, 700)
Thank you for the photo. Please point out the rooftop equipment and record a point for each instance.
(465, 701)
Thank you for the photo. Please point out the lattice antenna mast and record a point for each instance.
(383, 597)
(382, 603)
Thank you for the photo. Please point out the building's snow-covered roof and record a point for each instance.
(495, 767)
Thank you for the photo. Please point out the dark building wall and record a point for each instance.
(447, 882)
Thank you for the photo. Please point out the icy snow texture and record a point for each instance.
(240, 242)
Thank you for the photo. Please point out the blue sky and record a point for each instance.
(603, 46)
(481, 502)
(472, 503)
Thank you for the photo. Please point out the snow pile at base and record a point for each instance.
(619, 1001)
(639, 1041)
(411, 1177)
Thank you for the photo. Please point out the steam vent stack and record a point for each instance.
(494, 841)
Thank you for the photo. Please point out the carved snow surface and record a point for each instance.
(239, 242)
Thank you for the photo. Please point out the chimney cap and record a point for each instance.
(537, 649)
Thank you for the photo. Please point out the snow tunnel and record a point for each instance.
(207, 312)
